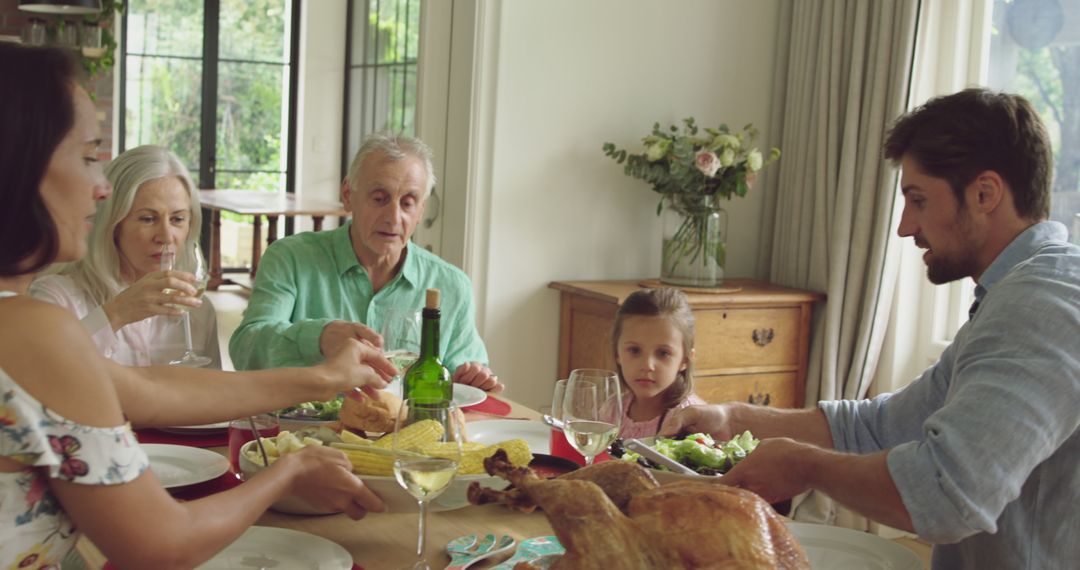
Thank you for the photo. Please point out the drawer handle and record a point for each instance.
(760, 399)
(763, 337)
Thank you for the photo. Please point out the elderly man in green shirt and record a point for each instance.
(316, 290)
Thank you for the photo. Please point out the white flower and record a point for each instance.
(723, 140)
(753, 160)
(707, 162)
(727, 157)
(657, 150)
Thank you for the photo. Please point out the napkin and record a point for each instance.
(213, 439)
(491, 405)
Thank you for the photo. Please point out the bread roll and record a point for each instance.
(362, 412)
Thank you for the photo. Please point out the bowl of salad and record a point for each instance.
(311, 414)
(698, 451)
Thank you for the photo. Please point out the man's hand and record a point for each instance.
(337, 333)
(776, 470)
(146, 298)
(477, 375)
(713, 419)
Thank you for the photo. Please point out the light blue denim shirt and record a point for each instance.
(983, 446)
(310, 279)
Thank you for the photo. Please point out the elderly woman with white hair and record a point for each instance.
(118, 289)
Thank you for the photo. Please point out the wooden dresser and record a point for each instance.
(751, 345)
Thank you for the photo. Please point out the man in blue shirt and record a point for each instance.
(979, 455)
(317, 290)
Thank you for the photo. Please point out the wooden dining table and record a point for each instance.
(387, 541)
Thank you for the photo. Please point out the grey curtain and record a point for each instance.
(843, 81)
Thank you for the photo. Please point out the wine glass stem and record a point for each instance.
(187, 332)
(422, 533)
(589, 459)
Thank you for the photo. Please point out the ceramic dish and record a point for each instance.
(205, 429)
(536, 434)
(464, 395)
(387, 488)
(180, 465)
(266, 547)
(835, 548)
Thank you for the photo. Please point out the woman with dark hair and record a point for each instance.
(68, 458)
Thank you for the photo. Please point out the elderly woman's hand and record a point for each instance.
(147, 298)
(477, 375)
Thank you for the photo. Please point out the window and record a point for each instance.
(381, 86)
(213, 82)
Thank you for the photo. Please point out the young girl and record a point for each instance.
(653, 342)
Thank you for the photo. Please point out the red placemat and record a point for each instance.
(226, 481)
(213, 439)
(491, 405)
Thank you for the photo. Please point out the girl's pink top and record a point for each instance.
(649, 428)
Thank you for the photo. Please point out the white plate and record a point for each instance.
(835, 548)
(537, 434)
(180, 465)
(197, 430)
(268, 547)
(464, 395)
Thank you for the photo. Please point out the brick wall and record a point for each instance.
(12, 22)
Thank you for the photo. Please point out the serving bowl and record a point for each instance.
(397, 499)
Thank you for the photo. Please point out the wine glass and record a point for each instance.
(592, 411)
(192, 261)
(425, 470)
(400, 330)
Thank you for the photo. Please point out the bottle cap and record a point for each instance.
(433, 297)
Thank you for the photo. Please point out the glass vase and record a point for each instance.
(694, 241)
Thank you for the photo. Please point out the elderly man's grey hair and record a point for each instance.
(396, 146)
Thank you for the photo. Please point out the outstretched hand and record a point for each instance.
(147, 298)
(360, 365)
(775, 470)
(712, 419)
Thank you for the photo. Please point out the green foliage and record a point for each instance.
(690, 164)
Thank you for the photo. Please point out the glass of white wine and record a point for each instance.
(400, 330)
(425, 470)
(592, 411)
(192, 261)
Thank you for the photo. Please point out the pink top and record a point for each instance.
(649, 428)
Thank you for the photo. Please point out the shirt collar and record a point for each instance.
(1021, 248)
(345, 256)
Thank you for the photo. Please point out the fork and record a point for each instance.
(470, 549)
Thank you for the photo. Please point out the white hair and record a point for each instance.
(396, 147)
(98, 273)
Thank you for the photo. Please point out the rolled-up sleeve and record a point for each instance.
(1010, 405)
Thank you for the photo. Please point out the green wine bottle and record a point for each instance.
(427, 381)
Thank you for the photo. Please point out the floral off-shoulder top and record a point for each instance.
(36, 533)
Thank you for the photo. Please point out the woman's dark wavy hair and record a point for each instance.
(36, 113)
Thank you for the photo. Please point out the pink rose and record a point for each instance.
(707, 162)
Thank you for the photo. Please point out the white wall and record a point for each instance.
(570, 76)
(321, 101)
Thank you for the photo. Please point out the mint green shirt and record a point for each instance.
(310, 279)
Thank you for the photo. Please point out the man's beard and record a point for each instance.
(942, 269)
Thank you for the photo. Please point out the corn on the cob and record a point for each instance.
(350, 437)
(412, 436)
(367, 463)
(472, 456)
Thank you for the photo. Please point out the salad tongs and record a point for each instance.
(641, 448)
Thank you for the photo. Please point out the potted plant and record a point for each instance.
(694, 170)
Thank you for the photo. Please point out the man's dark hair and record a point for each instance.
(37, 111)
(956, 137)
